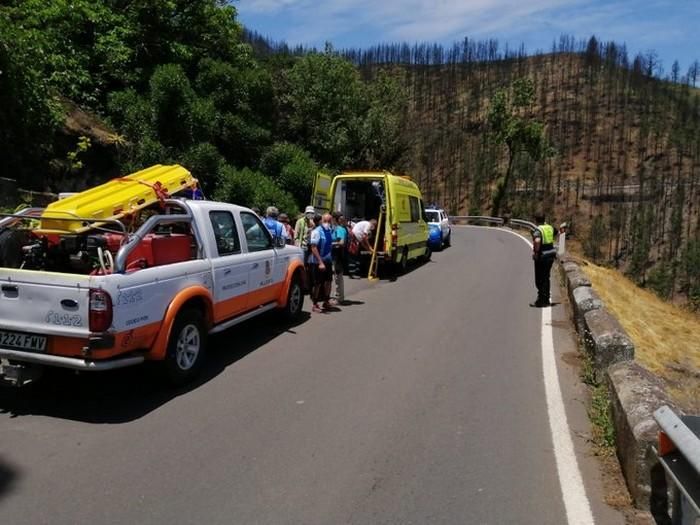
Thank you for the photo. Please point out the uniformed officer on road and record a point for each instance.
(543, 253)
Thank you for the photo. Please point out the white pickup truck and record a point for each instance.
(161, 286)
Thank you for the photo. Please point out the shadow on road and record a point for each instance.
(388, 274)
(124, 395)
(8, 476)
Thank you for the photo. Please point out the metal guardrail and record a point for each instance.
(477, 218)
(519, 223)
(516, 223)
(679, 454)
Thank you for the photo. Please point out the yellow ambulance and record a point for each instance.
(363, 195)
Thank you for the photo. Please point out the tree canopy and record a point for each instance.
(176, 83)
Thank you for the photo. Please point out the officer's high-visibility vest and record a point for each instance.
(547, 232)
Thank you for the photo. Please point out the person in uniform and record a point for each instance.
(543, 253)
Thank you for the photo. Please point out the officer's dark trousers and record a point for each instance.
(543, 268)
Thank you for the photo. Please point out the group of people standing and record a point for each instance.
(332, 246)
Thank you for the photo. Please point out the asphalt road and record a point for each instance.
(421, 402)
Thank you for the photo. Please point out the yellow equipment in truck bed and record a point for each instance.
(115, 199)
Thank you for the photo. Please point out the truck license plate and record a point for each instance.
(15, 340)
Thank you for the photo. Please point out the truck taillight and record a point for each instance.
(100, 311)
(394, 235)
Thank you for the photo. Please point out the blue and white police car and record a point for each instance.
(440, 234)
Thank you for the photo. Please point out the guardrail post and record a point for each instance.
(679, 454)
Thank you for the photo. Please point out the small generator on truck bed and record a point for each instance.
(108, 279)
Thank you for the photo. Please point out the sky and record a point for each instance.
(671, 28)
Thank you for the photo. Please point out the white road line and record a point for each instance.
(576, 504)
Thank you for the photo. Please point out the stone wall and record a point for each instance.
(635, 393)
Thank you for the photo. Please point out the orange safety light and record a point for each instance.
(666, 446)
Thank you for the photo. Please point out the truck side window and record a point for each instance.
(225, 233)
(256, 233)
(415, 209)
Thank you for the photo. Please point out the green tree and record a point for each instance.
(322, 105)
(205, 162)
(690, 263)
(251, 188)
(172, 100)
(242, 96)
(384, 138)
(660, 280)
(292, 168)
(29, 114)
(510, 126)
(641, 243)
(597, 238)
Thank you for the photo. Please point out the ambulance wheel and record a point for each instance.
(186, 347)
(448, 241)
(295, 300)
(403, 264)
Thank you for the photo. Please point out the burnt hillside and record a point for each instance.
(626, 172)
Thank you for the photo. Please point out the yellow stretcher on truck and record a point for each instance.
(115, 199)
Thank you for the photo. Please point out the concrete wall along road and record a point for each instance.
(635, 393)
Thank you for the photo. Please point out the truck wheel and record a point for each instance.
(186, 347)
(448, 241)
(403, 265)
(295, 300)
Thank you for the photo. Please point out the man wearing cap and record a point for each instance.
(301, 228)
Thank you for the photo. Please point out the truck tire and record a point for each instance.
(403, 264)
(186, 347)
(448, 241)
(295, 300)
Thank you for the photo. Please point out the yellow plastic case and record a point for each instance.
(115, 199)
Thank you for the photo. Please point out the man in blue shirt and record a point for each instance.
(275, 227)
(321, 263)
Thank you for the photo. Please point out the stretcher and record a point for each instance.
(115, 199)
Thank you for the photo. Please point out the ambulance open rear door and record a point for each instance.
(321, 194)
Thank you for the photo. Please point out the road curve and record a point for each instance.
(422, 402)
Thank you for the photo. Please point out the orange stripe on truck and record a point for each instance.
(160, 345)
(284, 292)
(127, 341)
(230, 307)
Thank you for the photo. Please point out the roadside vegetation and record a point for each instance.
(666, 337)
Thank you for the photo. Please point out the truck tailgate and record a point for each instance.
(42, 303)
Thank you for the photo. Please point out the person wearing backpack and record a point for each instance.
(275, 227)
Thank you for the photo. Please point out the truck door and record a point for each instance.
(321, 194)
(229, 267)
(261, 258)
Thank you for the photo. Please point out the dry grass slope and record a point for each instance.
(667, 338)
